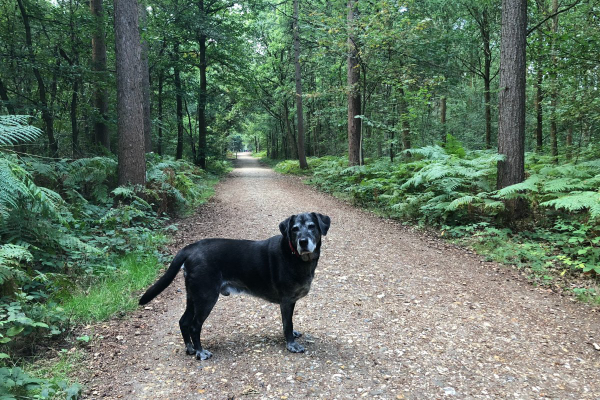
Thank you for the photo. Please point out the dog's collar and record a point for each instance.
(294, 252)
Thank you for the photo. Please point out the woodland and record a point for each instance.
(478, 118)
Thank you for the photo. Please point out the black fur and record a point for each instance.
(279, 270)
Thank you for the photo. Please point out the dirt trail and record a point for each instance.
(392, 314)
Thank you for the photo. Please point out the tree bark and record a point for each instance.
(569, 152)
(487, 77)
(179, 103)
(5, 99)
(161, 78)
(101, 134)
(130, 109)
(554, 85)
(511, 119)
(146, 85)
(201, 161)
(403, 110)
(539, 112)
(443, 117)
(298, 77)
(43, 101)
(354, 101)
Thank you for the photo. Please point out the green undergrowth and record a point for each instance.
(453, 190)
(112, 295)
(74, 248)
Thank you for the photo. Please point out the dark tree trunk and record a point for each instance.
(539, 112)
(5, 99)
(291, 141)
(202, 150)
(443, 117)
(74, 125)
(161, 78)
(130, 109)
(511, 119)
(146, 85)
(569, 152)
(403, 111)
(554, 85)
(487, 77)
(298, 78)
(179, 103)
(101, 135)
(354, 101)
(43, 101)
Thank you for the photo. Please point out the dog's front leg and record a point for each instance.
(287, 312)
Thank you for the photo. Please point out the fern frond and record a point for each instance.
(10, 258)
(563, 185)
(15, 129)
(461, 202)
(577, 201)
(430, 152)
(12, 185)
(510, 192)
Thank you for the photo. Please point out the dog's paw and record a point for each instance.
(297, 334)
(203, 355)
(295, 347)
(189, 349)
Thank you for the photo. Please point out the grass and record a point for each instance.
(113, 295)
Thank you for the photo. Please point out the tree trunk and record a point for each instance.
(146, 85)
(403, 110)
(354, 103)
(101, 135)
(43, 104)
(130, 109)
(73, 114)
(291, 141)
(161, 78)
(298, 76)
(201, 161)
(487, 77)
(539, 112)
(179, 103)
(554, 85)
(569, 152)
(5, 100)
(443, 117)
(511, 105)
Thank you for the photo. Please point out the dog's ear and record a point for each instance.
(284, 226)
(324, 221)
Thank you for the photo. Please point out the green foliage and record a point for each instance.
(15, 129)
(16, 384)
(111, 295)
(439, 187)
(66, 226)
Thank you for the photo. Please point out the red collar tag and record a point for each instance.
(294, 252)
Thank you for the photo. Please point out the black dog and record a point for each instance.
(279, 270)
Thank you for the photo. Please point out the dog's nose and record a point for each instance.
(303, 242)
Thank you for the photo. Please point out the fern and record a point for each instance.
(12, 186)
(10, 259)
(14, 129)
(577, 201)
(515, 191)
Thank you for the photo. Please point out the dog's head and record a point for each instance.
(304, 231)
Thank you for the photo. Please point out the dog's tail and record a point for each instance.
(166, 279)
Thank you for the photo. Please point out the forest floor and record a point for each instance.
(392, 314)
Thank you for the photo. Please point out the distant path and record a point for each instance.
(392, 314)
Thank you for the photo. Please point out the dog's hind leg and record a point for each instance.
(203, 305)
(185, 323)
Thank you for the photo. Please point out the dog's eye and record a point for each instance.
(311, 226)
(295, 229)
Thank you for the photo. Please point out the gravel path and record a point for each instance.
(392, 314)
